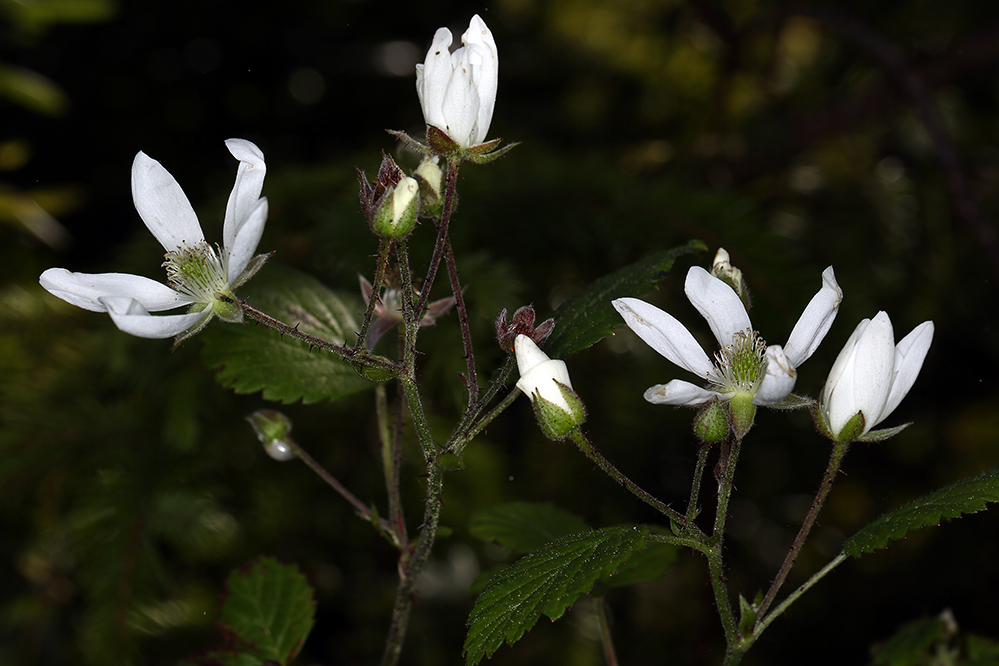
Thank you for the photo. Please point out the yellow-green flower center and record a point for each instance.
(741, 366)
(198, 272)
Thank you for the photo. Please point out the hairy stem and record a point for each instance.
(727, 462)
(363, 510)
(347, 353)
(450, 185)
(590, 452)
(835, 460)
(384, 247)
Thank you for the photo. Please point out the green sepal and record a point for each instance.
(372, 372)
(881, 435)
(270, 425)
(853, 429)
(742, 412)
(553, 419)
(449, 462)
(711, 424)
(411, 142)
(747, 618)
(793, 402)
(477, 157)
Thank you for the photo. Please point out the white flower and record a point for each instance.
(538, 373)
(872, 374)
(744, 364)
(200, 276)
(458, 90)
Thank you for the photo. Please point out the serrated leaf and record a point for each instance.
(524, 526)
(648, 564)
(967, 496)
(269, 608)
(547, 581)
(911, 645)
(252, 358)
(588, 317)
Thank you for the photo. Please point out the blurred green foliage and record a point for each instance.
(795, 138)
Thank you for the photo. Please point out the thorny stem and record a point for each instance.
(450, 183)
(363, 510)
(695, 486)
(728, 459)
(468, 428)
(835, 459)
(590, 452)
(384, 248)
(481, 424)
(390, 436)
(352, 355)
(735, 653)
(412, 563)
(466, 334)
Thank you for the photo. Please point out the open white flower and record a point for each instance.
(872, 374)
(744, 365)
(458, 90)
(201, 277)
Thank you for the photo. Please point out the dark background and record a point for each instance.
(861, 135)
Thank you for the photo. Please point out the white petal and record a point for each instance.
(679, 393)
(484, 73)
(909, 355)
(246, 191)
(163, 206)
(665, 334)
(244, 244)
(433, 77)
(541, 380)
(85, 290)
(718, 303)
(779, 380)
(815, 321)
(129, 316)
(461, 99)
(864, 374)
(529, 355)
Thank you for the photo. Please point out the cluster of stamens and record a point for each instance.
(198, 272)
(741, 366)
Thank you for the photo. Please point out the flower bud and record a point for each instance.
(274, 431)
(711, 423)
(730, 275)
(431, 180)
(870, 377)
(390, 203)
(558, 409)
(521, 324)
(395, 216)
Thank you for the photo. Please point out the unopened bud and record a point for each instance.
(711, 423)
(274, 431)
(558, 409)
(431, 180)
(730, 275)
(395, 216)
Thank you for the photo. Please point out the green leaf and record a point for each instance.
(967, 496)
(650, 563)
(252, 358)
(588, 317)
(269, 608)
(548, 581)
(524, 526)
(913, 643)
